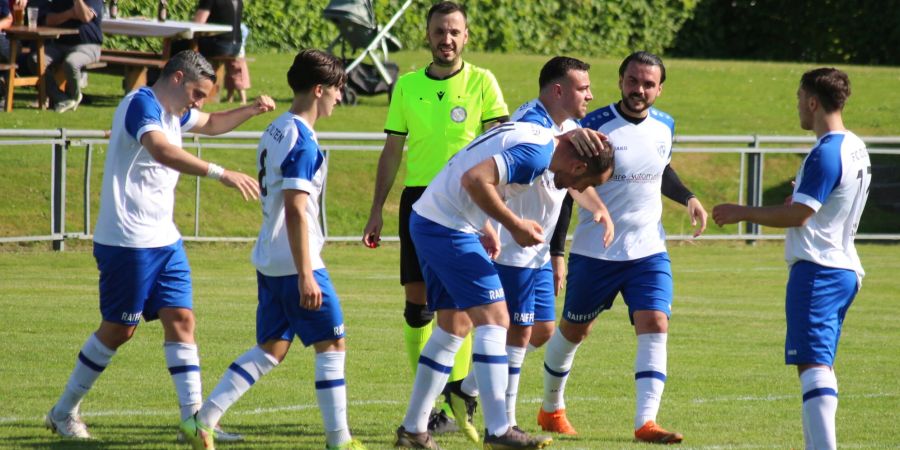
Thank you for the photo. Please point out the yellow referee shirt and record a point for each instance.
(440, 117)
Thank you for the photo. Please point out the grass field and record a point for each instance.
(727, 388)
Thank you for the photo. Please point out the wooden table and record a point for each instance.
(38, 35)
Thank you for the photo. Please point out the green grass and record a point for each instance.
(727, 387)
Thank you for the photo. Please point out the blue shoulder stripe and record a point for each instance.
(597, 118)
(664, 118)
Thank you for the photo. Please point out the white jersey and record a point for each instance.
(288, 157)
(633, 193)
(541, 202)
(138, 194)
(834, 181)
(522, 152)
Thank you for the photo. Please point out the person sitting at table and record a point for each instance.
(6, 21)
(72, 52)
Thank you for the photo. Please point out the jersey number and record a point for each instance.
(262, 173)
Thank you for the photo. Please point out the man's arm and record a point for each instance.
(225, 121)
(388, 165)
(781, 216)
(591, 201)
(201, 16)
(481, 183)
(177, 158)
(673, 188)
(298, 238)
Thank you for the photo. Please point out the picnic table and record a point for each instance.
(39, 35)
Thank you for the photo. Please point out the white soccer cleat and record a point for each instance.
(70, 427)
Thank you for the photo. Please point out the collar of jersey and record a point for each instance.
(463, 66)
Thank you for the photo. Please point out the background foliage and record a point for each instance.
(585, 27)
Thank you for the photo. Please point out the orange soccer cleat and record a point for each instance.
(555, 421)
(655, 434)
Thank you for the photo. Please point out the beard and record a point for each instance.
(437, 56)
(636, 103)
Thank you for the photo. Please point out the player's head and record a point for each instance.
(825, 89)
(575, 171)
(320, 75)
(565, 82)
(192, 76)
(641, 77)
(447, 33)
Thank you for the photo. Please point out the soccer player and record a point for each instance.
(635, 263)
(448, 224)
(296, 297)
(436, 111)
(821, 218)
(144, 271)
(525, 272)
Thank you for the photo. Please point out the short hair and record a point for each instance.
(192, 64)
(558, 67)
(829, 85)
(645, 58)
(444, 8)
(596, 164)
(312, 67)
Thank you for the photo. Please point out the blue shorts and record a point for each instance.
(136, 282)
(458, 272)
(524, 288)
(817, 301)
(279, 315)
(592, 285)
(544, 295)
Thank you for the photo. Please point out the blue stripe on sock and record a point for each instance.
(243, 373)
(514, 370)
(490, 359)
(328, 384)
(434, 365)
(555, 373)
(651, 374)
(182, 369)
(818, 393)
(91, 365)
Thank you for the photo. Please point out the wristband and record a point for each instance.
(215, 171)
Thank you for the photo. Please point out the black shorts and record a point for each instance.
(410, 272)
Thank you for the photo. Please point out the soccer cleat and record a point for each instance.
(439, 422)
(406, 439)
(198, 435)
(514, 438)
(218, 435)
(655, 434)
(463, 407)
(352, 444)
(70, 426)
(555, 421)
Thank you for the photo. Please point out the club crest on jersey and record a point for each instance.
(458, 114)
(661, 148)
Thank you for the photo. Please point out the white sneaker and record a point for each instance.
(219, 434)
(67, 105)
(70, 427)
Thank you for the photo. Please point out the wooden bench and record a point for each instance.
(134, 68)
(60, 76)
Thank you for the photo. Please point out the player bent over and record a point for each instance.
(296, 297)
(463, 287)
(144, 270)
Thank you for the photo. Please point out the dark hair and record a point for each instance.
(645, 58)
(831, 86)
(558, 67)
(444, 8)
(596, 164)
(312, 67)
(192, 64)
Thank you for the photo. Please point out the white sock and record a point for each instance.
(93, 358)
(530, 349)
(237, 380)
(649, 376)
(469, 385)
(331, 394)
(820, 402)
(435, 363)
(516, 357)
(558, 361)
(184, 367)
(491, 367)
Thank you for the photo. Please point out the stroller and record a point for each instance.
(355, 20)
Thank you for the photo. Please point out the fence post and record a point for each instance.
(88, 156)
(58, 192)
(197, 191)
(754, 184)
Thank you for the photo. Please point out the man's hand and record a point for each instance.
(310, 293)
(490, 240)
(81, 11)
(727, 213)
(609, 232)
(527, 233)
(698, 215)
(372, 231)
(263, 104)
(559, 273)
(248, 185)
(587, 142)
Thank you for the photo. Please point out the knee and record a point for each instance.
(574, 333)
(417, 316)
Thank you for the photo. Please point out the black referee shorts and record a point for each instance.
(410, 272)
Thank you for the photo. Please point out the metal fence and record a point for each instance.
(751, 148)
